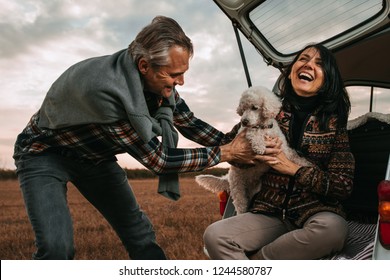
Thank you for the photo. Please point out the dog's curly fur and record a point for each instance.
(258, 108)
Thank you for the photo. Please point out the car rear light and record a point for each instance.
(223, 198)
(384, 213)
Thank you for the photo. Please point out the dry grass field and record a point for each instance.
(179, 225)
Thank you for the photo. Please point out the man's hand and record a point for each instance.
(239, 150)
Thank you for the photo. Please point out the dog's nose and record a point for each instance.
(244, 122)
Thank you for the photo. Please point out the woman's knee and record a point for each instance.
(211, 234)
(330, 227)
(328, 222)
(217, 235)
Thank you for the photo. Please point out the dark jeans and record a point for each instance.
(43, 181)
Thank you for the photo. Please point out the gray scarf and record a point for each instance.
(104, 90)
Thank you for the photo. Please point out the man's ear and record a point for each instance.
(143, 66)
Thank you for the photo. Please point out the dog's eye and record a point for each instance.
(254, 108)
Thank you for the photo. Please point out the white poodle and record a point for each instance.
(258, 107)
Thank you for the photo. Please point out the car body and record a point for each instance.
(358, 33)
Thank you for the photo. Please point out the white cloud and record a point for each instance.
(39, 39)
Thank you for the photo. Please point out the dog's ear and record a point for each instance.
(240, 110)
(272, 107)
(269, 113)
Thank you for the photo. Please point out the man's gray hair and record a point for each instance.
(155, 40)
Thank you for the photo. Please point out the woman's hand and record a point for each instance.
(273, 146)
(280, 163)
(276, 159)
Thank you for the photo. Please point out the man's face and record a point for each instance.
(161, 81)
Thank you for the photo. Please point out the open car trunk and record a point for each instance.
(358, 33)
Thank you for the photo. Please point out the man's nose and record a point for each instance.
(179, 80)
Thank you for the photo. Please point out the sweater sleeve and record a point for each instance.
(336, 179)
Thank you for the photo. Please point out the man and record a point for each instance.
(108, 105)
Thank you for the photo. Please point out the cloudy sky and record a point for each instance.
(39, 39)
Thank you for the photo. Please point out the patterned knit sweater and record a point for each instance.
(312, 189)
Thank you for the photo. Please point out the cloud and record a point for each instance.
(39, 39)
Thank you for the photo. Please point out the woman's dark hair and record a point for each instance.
(333, 98)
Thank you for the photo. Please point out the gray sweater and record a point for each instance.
(106, 89)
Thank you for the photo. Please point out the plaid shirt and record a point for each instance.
(99, 142)
(312, 189)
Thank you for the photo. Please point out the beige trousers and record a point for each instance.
(265, 237)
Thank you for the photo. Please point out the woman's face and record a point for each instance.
(307, 75)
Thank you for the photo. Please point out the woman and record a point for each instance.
(297, 213)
